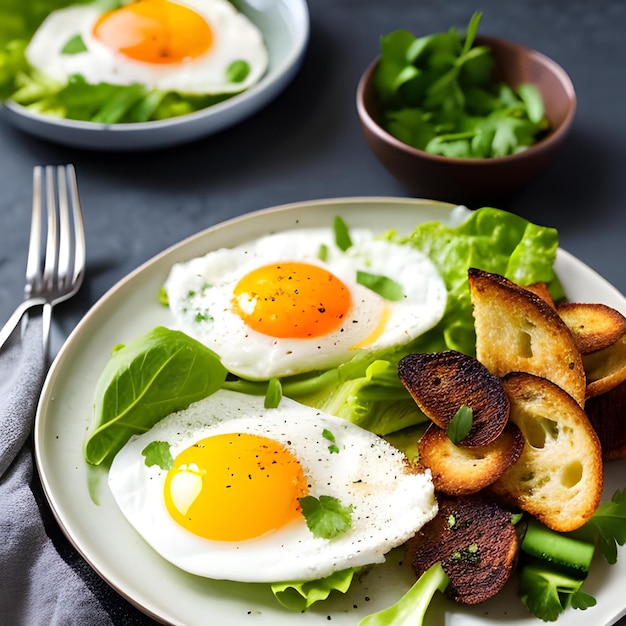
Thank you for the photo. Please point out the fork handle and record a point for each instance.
(16, 316)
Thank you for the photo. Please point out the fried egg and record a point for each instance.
(228, 508)
(191, 46)
(292, 302)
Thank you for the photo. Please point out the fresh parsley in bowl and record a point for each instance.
(457, 116)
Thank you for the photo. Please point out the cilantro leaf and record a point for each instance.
(546, 594)
(342, 234)
(382, 285)
(608, 524)
(333, 447)
(74, 45)
(158, 453)
(437, 94)
(326, 517)
(460, 424)
(273, 394)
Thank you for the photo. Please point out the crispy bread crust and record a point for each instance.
(442, 382)
(476, 543)
(594, 326)
(517, 331)
(459, 470)
(558, 476)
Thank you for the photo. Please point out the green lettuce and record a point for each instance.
(156, 374)
(411, 608)
(301, 595)
(492, 240)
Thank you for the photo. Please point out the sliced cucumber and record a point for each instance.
(564, 552)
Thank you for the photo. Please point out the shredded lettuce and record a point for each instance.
(411, 608)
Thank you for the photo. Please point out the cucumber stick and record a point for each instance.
(564, 552)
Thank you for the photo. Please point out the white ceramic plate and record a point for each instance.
(285, 27)
(121, 557)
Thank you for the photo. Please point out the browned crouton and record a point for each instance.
(442, 382)
(558, 476)
(607, 414)
(541, 289)
(475, 542)
(594, 326)
(605, 369)
(517, 331)
(459, 470)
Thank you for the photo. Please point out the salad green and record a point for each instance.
(159, 373)
(437, 95)
(326, 516)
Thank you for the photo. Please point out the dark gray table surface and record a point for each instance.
(307, 144)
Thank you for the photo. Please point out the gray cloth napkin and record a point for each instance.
(37, 586)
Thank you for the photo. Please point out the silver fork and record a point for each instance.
(55, 267)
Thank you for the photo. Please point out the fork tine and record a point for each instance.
(65, 236)
(34, 261)
(79, 229)
(52, 250)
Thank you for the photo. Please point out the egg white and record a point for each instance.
(235, 38)
(390, 503)
(200, 292)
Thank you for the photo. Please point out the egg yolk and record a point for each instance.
(234, 487)
(154, 31)
(292, 300)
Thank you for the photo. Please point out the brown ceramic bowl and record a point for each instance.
(459, 180)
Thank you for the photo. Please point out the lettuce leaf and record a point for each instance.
(156, 374)
(492, 240)
(301, 595)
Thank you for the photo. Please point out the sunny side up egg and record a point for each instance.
(228, 508)
(292, 302)
(191, 46)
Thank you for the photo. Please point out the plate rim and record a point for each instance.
(232, 224)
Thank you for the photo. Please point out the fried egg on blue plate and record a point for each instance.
(229, 506)
(294, 302)
(187, 46)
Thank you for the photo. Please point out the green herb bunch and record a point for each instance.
(437, 94)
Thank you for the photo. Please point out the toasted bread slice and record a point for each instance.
(459, 470)
(442, 382)
(558, 476)
(607, 414)
(605, 369)
(476, 543)
(594, 326)
(541, 289)
(517, 331)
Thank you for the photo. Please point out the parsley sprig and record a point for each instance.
(438, 95)
(326, 517)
